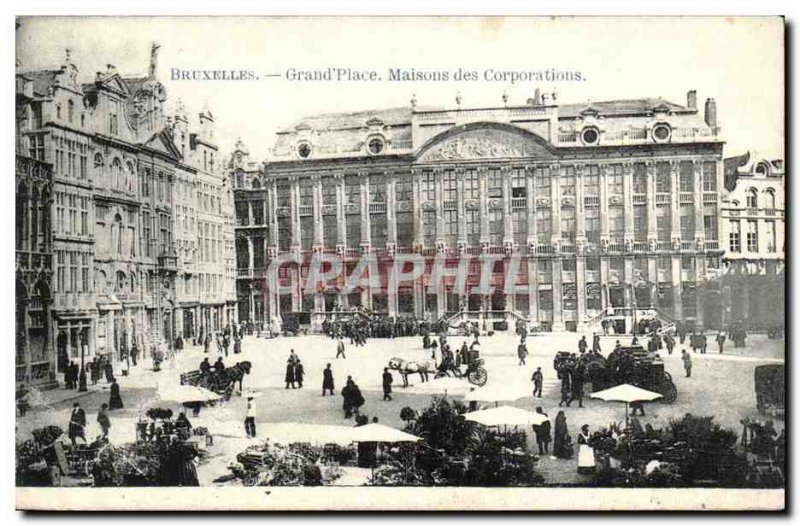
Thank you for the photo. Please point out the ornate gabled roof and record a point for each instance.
(620, 107)
(42, 80)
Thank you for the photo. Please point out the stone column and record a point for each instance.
(391, 211)
(580, 214)
(533, 289)
(555, 208)
(580, 290)
(272, 211)
(652, 222)
(627, 202)
(341, 222)
(365, 219)
(558, 300)
(508, 230)
(699, 230)
(483, 205)
(677, 285)
(316, 181)
(295, 212)
(250, 254)
(674, 199)
(437, 172)
(418, 239)
(460, 211)
(531, 206)
(604, 227)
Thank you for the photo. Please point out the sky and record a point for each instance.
(737, 61)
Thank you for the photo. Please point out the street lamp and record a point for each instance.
(82, 387)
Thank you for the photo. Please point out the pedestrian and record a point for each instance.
(68, 376)
(670, 341)
(542, 432)
(115, 400)
(327, 380)
(352, 398)
(522, 352)
(577, 389)
(585, 451)
(182, 457)
(109, 370)
(77, 423)
(562, 447)
(687, 363)
(637, 407)
(290, 379)
(183, 426)
(538, 380)
(582, 345)
(565, 390)
(299, 373)
(596, 344)
(237, 345)
(292, 356)
(250, 418)
(720, 340)
(104, 421)
(205, 366)
(340, 349)
(387, 384)
(134, 353)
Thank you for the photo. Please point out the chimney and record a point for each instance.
(711, 113)
(691, 99)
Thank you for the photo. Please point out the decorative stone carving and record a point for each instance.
(282, 211)
(329, 209)
(351, 208)
(428, 205)
(543, 201)
(495, 204)
(615, 200)
(404, 206)
(568, 201)
(471, 204)
(484, 144)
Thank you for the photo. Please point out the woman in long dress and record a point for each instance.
(561, 446)
(585, 451)
(290, 379)
(115, 400)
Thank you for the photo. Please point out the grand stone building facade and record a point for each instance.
(753, 229)
(111, 229)
(612, 206)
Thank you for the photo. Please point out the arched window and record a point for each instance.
(762, 168)
(116, 234)
(129, 177)
(98, 161)
(769, 196)
(256, 183)
(121, 284)
(116, 174)
(22, 216)
(70, 111)
(752, 198)
(34, 211)
(133, 283)
(101, 282)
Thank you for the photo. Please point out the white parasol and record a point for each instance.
(183, 394)
(382, 433)
(626, 393)
(506, 415)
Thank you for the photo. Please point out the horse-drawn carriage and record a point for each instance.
(220, 382)
(626, 365)
(471, 368)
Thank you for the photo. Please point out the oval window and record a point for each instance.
(304, 150)
(662, 132)
(590, 136)
(375, 146)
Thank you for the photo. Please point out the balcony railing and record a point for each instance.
(377, 208)
(662, 198)
(591, 201)
(519, 203)
(686, 198)
(305, 210)
(709, 198)
(687, 245)
(712, 244)
(639, 199)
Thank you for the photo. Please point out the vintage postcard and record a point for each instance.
(400, 263)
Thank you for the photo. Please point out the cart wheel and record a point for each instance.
(669, 392)
(478, 376)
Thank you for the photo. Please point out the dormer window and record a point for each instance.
(762, 169)
(375, 145)
(590, 136)
(113, 117)
(70, 111)
(662, 132)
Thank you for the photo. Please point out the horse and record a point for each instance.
(422, 367)
(236, 374)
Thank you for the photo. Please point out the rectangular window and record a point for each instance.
(73, 272)
(471, 184)
(615, 179)
(329, 186)
(546, 300)
(687, 222)
(473, 226)
(113, 116)
(404, 189)
(686, 176)
(640, 223)
(428, 186)
(591, 181)
(495, 183)
(709, 176)
(496, 227)
(543, 225)
(449, 185)
(592, 225)
(752, 236)
(378, 230)
(735, 236)
(639, 178)
(663, 223)
(306, 193)
(329, 230)
(377, 189)
(518, 183)
(616, 222)
(451, 225)
(353, 230)
(85, 265)
(569, 295)
(568, 224)
(568, 181)
(306, 232)
(663, 178)
(519, 220)
(542, 181)
(352, 190)
(772, 241)
(429, 227)
(405, 229)
(285, 233)
(710, 227)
